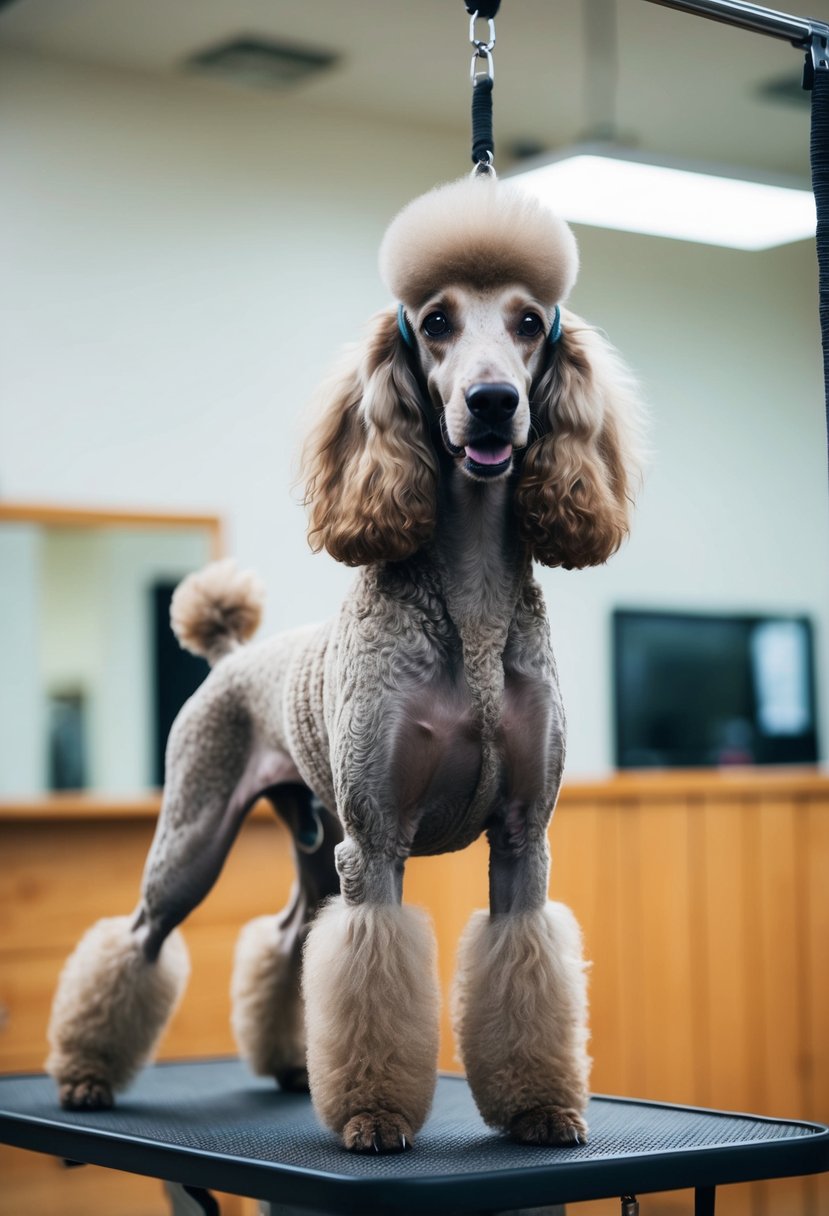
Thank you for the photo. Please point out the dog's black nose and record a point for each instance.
(492, 403)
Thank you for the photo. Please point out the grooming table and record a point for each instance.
(210, 1124)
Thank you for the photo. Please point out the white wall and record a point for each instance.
(183, 262)
(22, 720)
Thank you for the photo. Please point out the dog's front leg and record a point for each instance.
(521, 999)
(371, 996)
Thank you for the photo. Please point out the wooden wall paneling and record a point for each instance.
(256, 881)
(722, 900)
(611, 990)
(201, 1024)
(257, 876)
(772, 982)
(754, 1094)
(630, 874)
(781, 982)
(814, 875)
(585, 875)
(27, 985)
(44, 899)
(815, 933)
(667, 995)
(703, 900)
(782, 978)
(57, 878)
(33, 1183)
(451, 887)
(720, 915)
(55, 881)
(700, 957)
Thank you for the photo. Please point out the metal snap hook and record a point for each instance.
(480, 43)
(485, 168)
(489, 74)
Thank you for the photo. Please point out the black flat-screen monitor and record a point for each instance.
(694, 690)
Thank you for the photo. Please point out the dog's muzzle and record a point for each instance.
(492, 408)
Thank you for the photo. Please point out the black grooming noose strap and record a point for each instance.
(483, 142)
(820, 183)
(486, 9)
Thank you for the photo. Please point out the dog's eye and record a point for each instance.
(436, 325)
(531, 325)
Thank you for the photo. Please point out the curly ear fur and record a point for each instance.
(577, 480)
(370, 471)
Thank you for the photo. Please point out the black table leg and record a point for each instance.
(704, 1197)
(191, 1200)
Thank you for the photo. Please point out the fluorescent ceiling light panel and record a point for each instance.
(610, 190)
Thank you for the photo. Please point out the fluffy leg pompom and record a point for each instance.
(372, 1005)
(109, 1010)
(268, 1015)
(520, 1015)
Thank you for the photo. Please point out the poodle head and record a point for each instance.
(475, 368)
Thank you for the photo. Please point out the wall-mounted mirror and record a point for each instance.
(92, 675)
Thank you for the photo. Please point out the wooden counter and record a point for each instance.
(704, 899)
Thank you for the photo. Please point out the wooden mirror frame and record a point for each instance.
(83, 805)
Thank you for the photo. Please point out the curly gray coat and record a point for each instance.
(455, 446)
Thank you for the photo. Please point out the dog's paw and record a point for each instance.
(90, 1093)
(377, 1132)
(293, 1080)
(549, 1125)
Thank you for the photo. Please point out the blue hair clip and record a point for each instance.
(403, 326)
(555, 328)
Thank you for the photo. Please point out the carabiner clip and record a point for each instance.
(479, 43)
(489, 74)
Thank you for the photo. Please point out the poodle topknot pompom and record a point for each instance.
(480, 232)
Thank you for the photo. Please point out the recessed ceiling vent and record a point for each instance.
(261, 63)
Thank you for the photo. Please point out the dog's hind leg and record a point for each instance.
(268, 1011)
(521, 1000)
(110, 1008)
(120, 986)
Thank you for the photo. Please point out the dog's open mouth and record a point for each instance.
(486, 457)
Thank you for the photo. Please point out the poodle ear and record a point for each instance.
(576, 488)
(370, 470)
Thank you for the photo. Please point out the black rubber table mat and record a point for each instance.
(211, 1124)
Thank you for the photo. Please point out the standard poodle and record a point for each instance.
(478, 428)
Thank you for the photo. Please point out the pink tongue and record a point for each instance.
(489, 455)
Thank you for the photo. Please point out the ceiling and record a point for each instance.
(684, 86)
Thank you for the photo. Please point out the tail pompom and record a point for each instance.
(217, 609)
